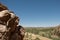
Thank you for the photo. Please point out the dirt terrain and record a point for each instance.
(29, 36)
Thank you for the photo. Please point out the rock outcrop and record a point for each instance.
(9, 25)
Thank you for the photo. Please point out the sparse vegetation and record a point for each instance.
(37, 39)
(50, 33)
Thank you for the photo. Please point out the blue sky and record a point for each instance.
(35, 13)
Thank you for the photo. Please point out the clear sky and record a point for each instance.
(35, 13)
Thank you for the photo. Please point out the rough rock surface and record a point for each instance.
(9, 25)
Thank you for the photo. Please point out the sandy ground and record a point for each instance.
(33, 36)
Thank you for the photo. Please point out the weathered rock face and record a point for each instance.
(16, 33)
(56, 31)
(9, 29)
(3, 7)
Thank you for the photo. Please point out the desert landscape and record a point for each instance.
(29, 19)
(42, 33)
